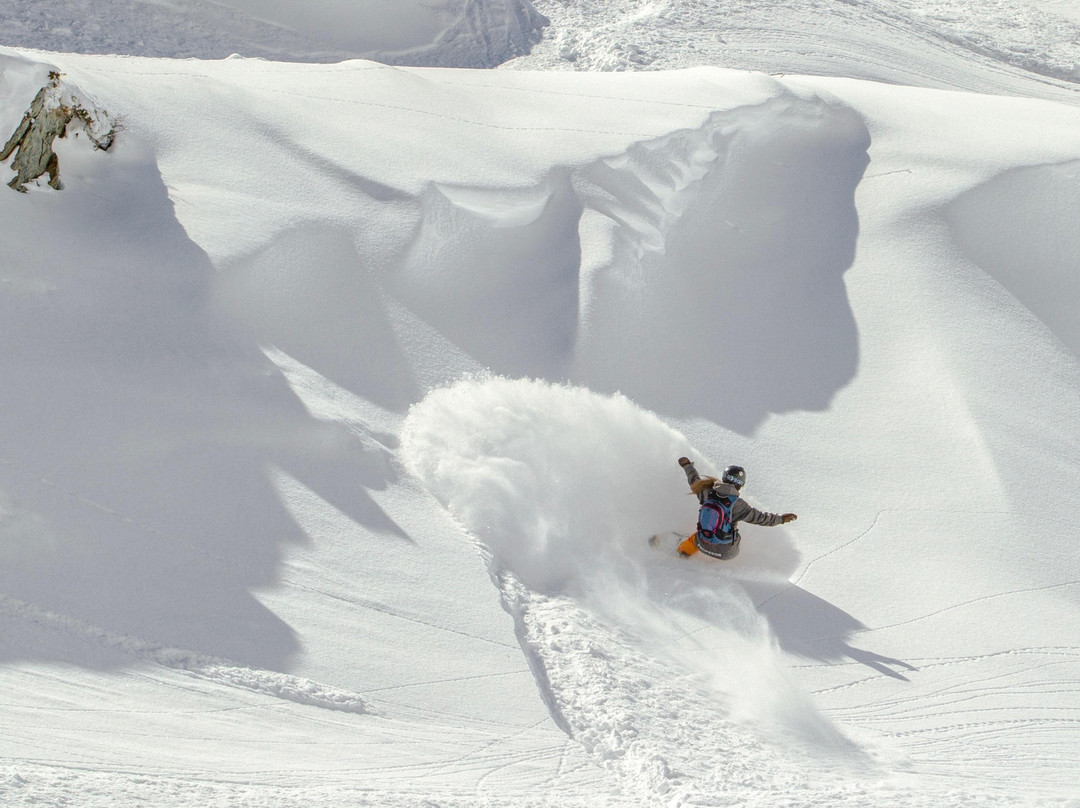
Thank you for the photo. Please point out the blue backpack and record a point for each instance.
(714, 525)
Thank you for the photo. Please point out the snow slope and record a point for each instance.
(1015, 48)
(328, 453)
(1030, 47)
(452, 33)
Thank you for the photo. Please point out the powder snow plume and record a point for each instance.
(548, 477)
(631, 647)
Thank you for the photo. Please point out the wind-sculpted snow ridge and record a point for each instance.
(759, 198)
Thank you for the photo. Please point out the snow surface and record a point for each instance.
(982, 45)
(451, 33)
(329, 451)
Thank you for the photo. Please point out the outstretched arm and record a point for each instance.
(743, 511)
(691, 473)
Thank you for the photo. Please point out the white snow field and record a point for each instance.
(450, 33)
(339, 401)
(1003, 46)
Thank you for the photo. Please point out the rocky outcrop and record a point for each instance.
(57, 106)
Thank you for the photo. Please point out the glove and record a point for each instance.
(684, 461)
(788, 517)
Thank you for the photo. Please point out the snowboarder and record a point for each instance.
(721, 511)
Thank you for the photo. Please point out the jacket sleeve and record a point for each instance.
(692, 475)
(743, 511)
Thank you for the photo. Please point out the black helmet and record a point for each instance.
(736, 475)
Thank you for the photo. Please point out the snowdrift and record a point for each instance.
(329, 450)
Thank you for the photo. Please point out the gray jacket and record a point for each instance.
(741, 511)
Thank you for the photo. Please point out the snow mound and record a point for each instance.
(736, 234)
(745, 221)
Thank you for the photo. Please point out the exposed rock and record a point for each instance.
(56, 106)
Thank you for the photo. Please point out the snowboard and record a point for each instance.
(674, 542)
